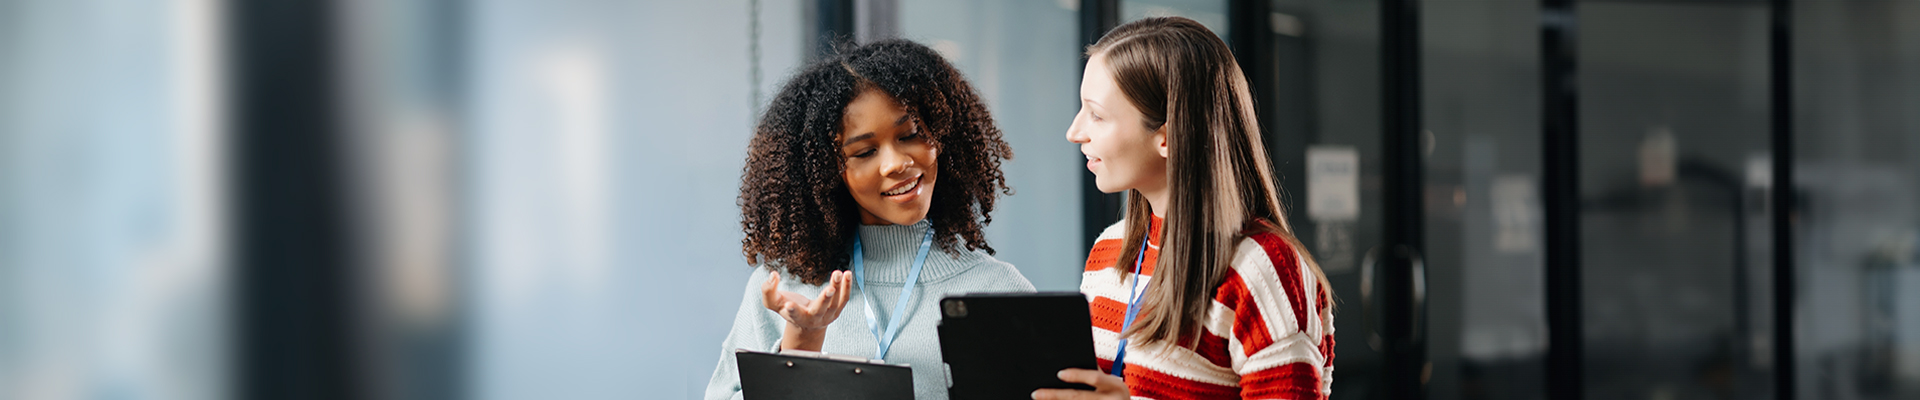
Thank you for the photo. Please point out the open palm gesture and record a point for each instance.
(807, 319)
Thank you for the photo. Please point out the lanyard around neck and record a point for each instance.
(899, 316)
(1133, 309)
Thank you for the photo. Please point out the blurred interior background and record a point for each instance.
(492, 199)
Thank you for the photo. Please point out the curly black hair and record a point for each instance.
(795, 207)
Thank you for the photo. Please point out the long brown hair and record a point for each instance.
(1220, 183)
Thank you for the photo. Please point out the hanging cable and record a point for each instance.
(753, 57)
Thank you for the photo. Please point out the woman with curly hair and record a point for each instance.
(864, 163)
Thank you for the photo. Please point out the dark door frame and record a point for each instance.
(1780, 69)
(1560, 168)
(294, 289)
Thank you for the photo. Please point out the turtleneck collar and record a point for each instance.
(889, 250)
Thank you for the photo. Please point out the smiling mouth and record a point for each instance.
(904, 187)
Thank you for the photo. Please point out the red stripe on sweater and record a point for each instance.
(1326, 349)
(1292, 381)
(1214, 348)
(1103, 254)
(1248, 325)
(1288, 268)
(1107, 313)
(1143, 382)
(1210, 346)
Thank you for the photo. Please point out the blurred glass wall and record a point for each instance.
(600, 169)
(1857, 167)
(111, 272)
(1485, 232)
(1673, 121)
(1211, 13)
(1024, 58)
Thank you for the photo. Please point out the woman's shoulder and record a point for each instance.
(1265, 250)
(1116, 231)
(1266, 262)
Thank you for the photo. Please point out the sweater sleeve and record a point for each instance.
(752, 329)
(1277, 326)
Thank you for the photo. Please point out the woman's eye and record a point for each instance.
(864, 153)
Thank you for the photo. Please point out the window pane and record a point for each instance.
(1673, 110)
(1024, 59)
(111, 267)
(1485, 242)
(602, 171)
(1857, 178)
(1212, 13)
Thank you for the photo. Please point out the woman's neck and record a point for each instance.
(1157, 198)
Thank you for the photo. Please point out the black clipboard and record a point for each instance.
(1006, 345)
(806, 375)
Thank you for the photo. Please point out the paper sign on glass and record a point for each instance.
(1333, 183)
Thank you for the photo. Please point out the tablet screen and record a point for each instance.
(1006, 345)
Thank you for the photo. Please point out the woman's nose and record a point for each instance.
(1073, 132)
(895, 162)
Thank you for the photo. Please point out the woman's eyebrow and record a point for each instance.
(856, 139)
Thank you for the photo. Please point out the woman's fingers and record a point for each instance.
(1064, 394)
(814, 312)
(845, 292)
(1105, 386)
(770, 293)
(1082, 376)
(819, 304)
(846, 289)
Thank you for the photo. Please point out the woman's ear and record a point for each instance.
(1160, 140)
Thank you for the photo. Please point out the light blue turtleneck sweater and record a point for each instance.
(889, 253)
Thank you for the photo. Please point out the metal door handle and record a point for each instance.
(1417, 269)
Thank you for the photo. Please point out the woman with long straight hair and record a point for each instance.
(1202, 291)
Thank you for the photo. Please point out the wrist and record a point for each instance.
(807, 330)
(796, 337)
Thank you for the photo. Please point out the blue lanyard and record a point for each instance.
(1133, 309)
(882, 343)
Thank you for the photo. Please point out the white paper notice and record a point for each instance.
(1516, 218)
(1333, 183)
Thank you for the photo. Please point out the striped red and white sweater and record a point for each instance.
(1263, 339)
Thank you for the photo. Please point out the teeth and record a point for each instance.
(1089, 158)
(903, 190)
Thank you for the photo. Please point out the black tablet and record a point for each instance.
(1006, 345)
